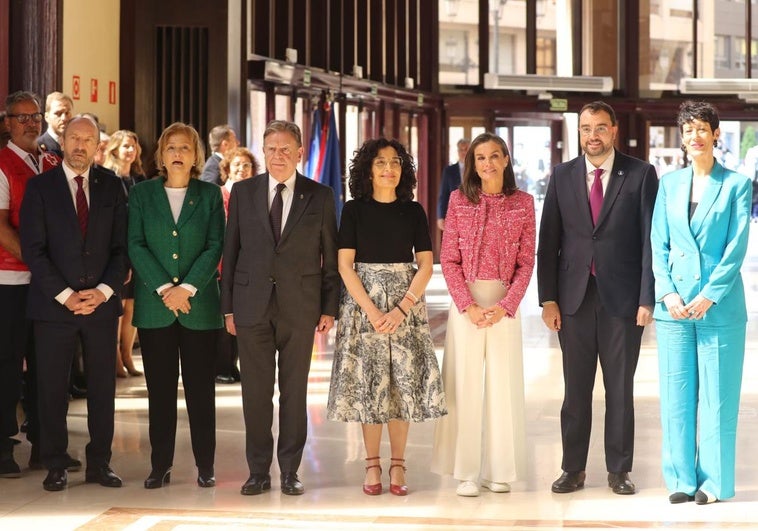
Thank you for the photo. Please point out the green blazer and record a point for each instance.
(164, 252)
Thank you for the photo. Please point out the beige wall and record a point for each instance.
(91, 51)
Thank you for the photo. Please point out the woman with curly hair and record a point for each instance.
(487, 259)
(385, 370)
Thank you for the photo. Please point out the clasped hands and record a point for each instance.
(694, 310)
(485, 317)
(386, 323)
(176, 299)
(85, 302)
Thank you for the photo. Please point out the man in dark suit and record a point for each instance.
(280, 282)
(73, 238)
(59, 109)
(220, 140)
(595, 283)
(451, 180)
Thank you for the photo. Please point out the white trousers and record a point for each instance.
(483, 435)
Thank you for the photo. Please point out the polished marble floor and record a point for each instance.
(332, 467)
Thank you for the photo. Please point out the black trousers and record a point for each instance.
(292, 338)
(15, 339)
(162, 351)
(55, 346)
(226, 354)
(588, 335)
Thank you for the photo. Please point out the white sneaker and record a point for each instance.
(495, 487)
(467, 488)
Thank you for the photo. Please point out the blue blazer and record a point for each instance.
(702, 255)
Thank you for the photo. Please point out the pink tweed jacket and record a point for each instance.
(462, 250)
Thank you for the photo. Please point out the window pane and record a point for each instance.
(459, 42)
(726, 20)
(507, 23)
(670, 54)
(546, 39)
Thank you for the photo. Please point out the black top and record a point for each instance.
(384, 233)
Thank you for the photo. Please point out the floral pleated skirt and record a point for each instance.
(381, 377)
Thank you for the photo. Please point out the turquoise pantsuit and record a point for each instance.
(701, 361)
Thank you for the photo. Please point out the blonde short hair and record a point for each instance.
(179, 128)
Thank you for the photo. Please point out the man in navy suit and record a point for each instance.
(59, 109)
(451, 180)
(73, 238)
(596, 289)
(220, 140)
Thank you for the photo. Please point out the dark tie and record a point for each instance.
(596, 203)
(34, 162)
(596, 196)
(82, 210)
(275, 215)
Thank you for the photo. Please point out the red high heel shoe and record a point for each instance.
(375, 489)
(397, 490)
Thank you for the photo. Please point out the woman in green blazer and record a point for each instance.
(176, 232)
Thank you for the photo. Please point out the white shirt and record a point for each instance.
(175, 201)
(607, 166)
(14, 278)
(287, 195)
(105, 289)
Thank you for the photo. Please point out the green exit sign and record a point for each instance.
(559, 105)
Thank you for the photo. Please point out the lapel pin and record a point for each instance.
(621, 172)
(301, 196)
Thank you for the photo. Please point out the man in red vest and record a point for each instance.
(20, 160)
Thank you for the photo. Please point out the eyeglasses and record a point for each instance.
(241, 165)
(23, 118)
(600, 130)
(271, 151)
(394, 163)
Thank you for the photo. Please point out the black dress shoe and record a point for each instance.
(291, 486)
(158, 478)
(56, 479)
(78, 392)
(225, 379)
(256, 484)
(620, 483)
(569, 482)
(236, 374)
(680, 497)
(103, 475)
(206, 477)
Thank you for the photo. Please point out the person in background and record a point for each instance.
(59, 109)
(101, 148)
(5, 133)
(123, 156)
(595, 284)
(176, 235)
(451, 180)
(220, 140)
(384, 370)
(700, 237)
(487, 259)
(20, 160)
(77, 269)
(238, 164)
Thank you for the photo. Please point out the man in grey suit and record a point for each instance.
(596, 289)
(280, 282)
(220, 140)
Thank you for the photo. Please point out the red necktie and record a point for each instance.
(596, 196)
(82, 209)
(596, 203)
